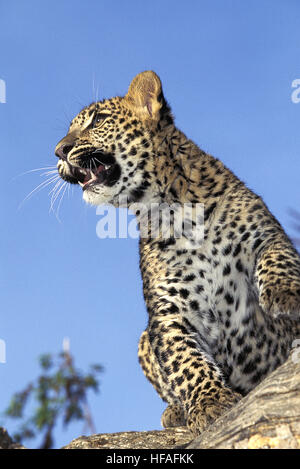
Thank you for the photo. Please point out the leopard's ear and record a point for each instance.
(145, 95)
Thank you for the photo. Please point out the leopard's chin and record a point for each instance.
(99, 195)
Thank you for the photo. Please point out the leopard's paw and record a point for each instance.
(208, 409)
(173, 416)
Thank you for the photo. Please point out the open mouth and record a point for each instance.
(97, 168)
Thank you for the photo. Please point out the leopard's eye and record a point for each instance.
(99, 118)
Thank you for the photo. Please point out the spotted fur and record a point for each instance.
(222, 315)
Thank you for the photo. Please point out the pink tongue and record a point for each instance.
(99, 169)
(90, 176)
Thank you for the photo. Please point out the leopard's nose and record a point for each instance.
(62, 151)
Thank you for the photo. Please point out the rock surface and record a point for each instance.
(157, 439)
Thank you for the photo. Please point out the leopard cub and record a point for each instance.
(222, 313)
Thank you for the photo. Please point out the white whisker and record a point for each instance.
(53, 190)
(38, 188)
(95, 89)
(59, 204)
(47, 173)
(56, 195)
(34, 170)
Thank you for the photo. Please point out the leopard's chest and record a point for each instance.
(211, 291)
(210, 285)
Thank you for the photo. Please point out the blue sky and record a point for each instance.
(227, 68)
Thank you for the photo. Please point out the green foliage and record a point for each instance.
(60, 392)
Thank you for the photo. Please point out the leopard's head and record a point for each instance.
(109, 148)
